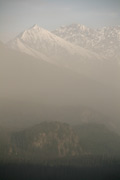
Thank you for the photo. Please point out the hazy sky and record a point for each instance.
(17, 15)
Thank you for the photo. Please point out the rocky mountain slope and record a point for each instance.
(48, 140)
(104, 41)
(51, 140)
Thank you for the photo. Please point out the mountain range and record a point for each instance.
(75, 47)
(40, 71)
(76, 40)
(43, 44)
(60, 103)
(104, 41)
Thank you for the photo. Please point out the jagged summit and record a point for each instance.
(72, 29)
(35, 26)
(104, 41)
(34, 33)
(80, 26)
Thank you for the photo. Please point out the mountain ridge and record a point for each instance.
(45, 45)
(52, 47)
(105, 41)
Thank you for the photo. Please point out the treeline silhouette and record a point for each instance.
(93, 169)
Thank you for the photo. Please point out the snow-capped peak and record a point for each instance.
(43, 44)
(35, 26)
(34, 33)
